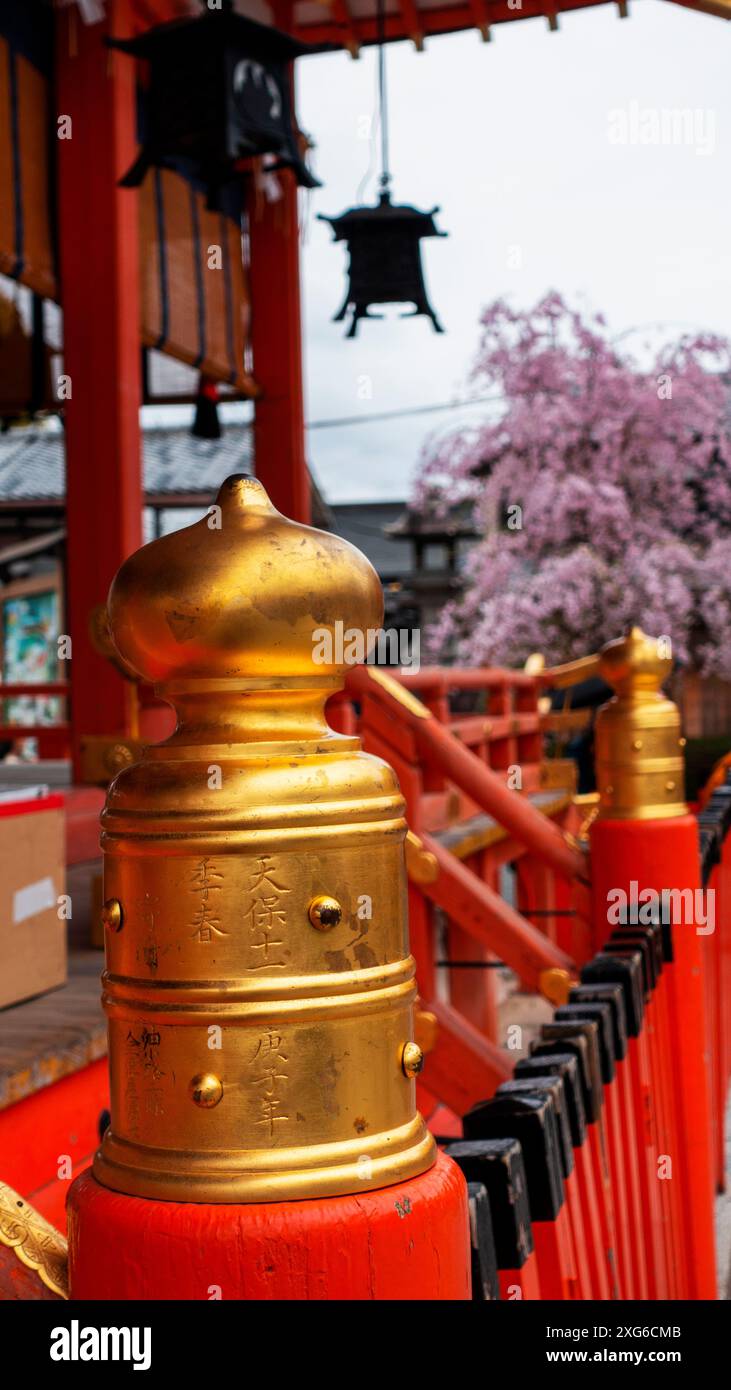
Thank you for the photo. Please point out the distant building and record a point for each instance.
(418, 560)
(181, 476)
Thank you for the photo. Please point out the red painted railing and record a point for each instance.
(623, 1232)
(475, 770)
(647, 1027)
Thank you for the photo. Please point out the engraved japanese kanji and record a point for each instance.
(205, 883)
(266, 917)
(268, 1062)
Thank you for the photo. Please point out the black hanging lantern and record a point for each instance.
(383, 241)
(219, 92)
(385, 259)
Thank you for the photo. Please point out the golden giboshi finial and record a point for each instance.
(639, 749)
(239, 594)
(260, 994)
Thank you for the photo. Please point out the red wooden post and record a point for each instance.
(663, 854)
(644, 847)
(408, 1241)
(530, 1117)
(472, 989)
(276, 333)
(591, 1213)
(98, 242)
(645, 1126)
(498, 1165)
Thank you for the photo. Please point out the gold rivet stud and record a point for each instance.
(206, 1090)
(324, 912)
(637, 744)
(682, 742)
(117, 757)
(111, 914)
(412, 1059)
(670, 786)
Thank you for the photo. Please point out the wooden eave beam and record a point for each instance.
(347, 33)
(446, 19)
(721, 9)
(479, 10)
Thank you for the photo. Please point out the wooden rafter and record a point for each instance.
(408, 21)
(444, 19)
(346, 25)
(413, 23)
(479, 10)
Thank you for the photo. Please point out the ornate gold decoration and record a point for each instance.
(426, 1029)
(412, 1059)
(572, 672)
(589, 803)
(104, 755)
(639, 750)
(35, 1241)
(206, 1090)
(421, 864)
(216, 844)
(555, 985)
(111, 915)
(324, 912)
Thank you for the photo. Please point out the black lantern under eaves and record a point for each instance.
(385, 258)
(219, 92)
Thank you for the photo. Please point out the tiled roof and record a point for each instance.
(32, 463)
(457, 523)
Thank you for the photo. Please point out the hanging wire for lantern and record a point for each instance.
(385, 178)
(383, 240)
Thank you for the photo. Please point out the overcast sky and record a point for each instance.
(516, 140)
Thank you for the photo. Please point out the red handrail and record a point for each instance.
(521, 819)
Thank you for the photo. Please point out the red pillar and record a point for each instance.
(663, 854)
(276, 335)
(98, 248)
(409, 1241)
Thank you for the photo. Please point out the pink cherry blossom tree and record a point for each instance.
(601, 492)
